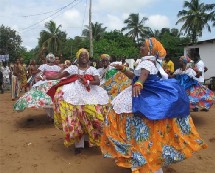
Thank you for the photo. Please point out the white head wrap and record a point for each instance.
(50, 57)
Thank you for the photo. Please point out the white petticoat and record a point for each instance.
(123, 102)
(76, 94)
(40, 83)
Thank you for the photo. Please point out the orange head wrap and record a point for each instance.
(155, 47)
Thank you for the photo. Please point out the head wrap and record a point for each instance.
(105, 56)
(67, 62)
(155, 48)
(185, 59)
(50, 57)
(81, 51)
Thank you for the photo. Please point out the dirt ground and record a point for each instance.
(29, 143)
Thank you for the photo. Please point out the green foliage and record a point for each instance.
(116, 45)
(196, 18)
(135, 26)
(97, 31)
(10, 42)
(52, 38)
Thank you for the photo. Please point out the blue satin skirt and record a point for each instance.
(186, 81)
(161, 99)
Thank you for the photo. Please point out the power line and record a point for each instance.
(60, 9)
(84, 17)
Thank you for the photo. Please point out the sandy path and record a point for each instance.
(29, 143)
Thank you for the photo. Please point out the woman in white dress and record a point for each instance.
(37, 97)
(80, 103)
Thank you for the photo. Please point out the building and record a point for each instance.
(206, 50)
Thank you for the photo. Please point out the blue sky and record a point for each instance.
(112, 13)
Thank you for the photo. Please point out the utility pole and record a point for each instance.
(90, 30)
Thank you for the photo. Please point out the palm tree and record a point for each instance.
(52, 38)
(196, 18)
(135, 26)
(97, 31)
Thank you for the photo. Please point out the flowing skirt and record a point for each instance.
(79, 120)
(200, 97)
(36, 97)
(116, 84)
(146, 145)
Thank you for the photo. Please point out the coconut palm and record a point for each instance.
(135, 26)
(97, 31)
(196, 18)
(52, 37)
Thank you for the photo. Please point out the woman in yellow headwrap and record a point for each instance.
(149, 125)
(112, 80)
(81, 103)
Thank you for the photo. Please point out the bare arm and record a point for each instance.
(128, 73)
(143, 76)
(96, 81)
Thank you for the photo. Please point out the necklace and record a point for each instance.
(84, 70)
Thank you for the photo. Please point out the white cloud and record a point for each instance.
(71, 18)
(158, 21)
(111, 13)
(114, 22)
(121, 5)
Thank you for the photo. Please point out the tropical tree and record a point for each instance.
(52, 38)
(97, 31)
(117, 45)
(196, 18)
(135, 26)
(10, 42)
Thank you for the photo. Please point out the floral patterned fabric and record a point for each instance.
(77, 120)
(36, 97)
(145, 145)
(116, 84)
(200, 97)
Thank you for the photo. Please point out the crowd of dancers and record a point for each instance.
(141, 117)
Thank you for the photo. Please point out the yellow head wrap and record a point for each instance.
(105, 56)
(81, 51)
(155, 47)
(67, 62)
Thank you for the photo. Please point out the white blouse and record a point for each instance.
(146, 64)
(46, 67)
(190, 72)
(76, 93)
(123, 102)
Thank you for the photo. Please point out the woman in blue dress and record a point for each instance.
(149, 126)
(199, 95)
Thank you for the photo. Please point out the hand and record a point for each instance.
(136, 91)
(118, 67)
(82, 80)
(38, 78)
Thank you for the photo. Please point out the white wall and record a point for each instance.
(207, 54)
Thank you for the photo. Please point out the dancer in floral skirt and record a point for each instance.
(37, 97)
(149, 125)
(112, 80)
(80, 103)
(199, 95)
